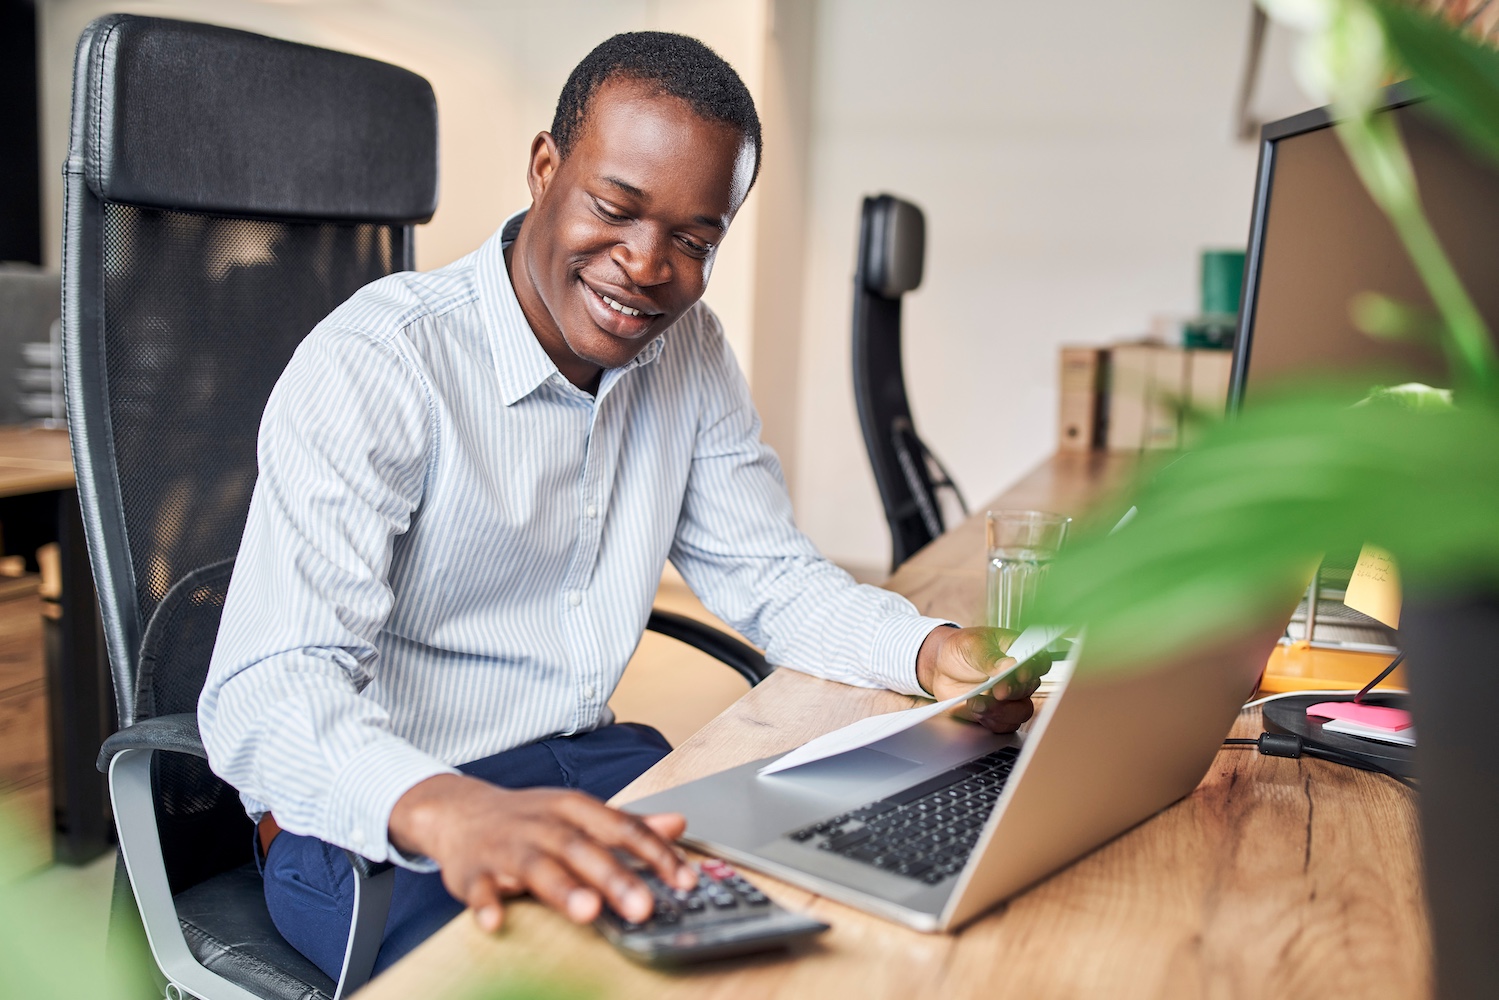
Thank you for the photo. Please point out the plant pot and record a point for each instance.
(1453, 645)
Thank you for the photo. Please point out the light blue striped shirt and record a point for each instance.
(452, 551)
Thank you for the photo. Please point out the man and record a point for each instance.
(469, 483)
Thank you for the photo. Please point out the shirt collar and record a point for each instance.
(521, 365)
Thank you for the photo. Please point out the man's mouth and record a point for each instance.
(619, 307)
(614, 316)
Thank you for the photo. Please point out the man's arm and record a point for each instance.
(343, 455)
(740, 551)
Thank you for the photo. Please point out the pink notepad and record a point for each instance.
(1375, 716)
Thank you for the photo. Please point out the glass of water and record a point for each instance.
(1022, 543)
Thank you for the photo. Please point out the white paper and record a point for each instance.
(1403, 737)
(878, 727)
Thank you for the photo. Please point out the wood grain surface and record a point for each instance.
(1276, 878)
(33, 460)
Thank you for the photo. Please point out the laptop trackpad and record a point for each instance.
(833, 776)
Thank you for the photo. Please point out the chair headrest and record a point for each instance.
(892, 245)
(179, 115)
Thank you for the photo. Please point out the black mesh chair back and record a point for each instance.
(892, 249)
(225, 191)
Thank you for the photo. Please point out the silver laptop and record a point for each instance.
(933, 826)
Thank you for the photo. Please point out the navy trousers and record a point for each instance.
(309, 886)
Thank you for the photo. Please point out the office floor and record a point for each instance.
(91, 885)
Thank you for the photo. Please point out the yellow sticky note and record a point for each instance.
(1375, 586)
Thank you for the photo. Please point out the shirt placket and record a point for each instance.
(584, 605)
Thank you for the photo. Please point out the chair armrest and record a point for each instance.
(179, 734)
(741, 657)
(172, 733)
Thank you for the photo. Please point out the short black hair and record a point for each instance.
(677, 65)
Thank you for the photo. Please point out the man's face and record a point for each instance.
(622, 234)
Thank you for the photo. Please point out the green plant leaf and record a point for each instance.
(1224, 536)
(1461, 73)
(40, 948)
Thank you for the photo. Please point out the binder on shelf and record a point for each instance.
(1082, 406)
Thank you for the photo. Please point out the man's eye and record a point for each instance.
(693, 246)
(606, 213)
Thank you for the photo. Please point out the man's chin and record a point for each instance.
(605, 350)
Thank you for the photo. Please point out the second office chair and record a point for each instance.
(892, 248)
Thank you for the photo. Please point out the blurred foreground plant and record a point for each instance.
(43, 951)
(1224, 533)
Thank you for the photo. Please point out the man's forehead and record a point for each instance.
(643, 142)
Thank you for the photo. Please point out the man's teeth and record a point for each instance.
(617, 307)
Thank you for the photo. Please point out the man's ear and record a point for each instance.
(545, 159)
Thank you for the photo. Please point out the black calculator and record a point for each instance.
(724, 915)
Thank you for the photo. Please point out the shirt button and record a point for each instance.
(589, 691)
(592, 511)
(574, 598)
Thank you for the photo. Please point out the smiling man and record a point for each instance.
(470, 481)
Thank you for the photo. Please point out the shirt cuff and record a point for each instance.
(893, 656)
(366, 790)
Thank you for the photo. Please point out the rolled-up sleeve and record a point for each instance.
(345, 451)
(739, 549)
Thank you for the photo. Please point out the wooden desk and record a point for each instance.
(37, 463)
(1275, 878)
(34, 460)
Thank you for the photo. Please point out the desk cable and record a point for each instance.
(1288, 745)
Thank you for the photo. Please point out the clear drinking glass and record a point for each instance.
(1022, 543)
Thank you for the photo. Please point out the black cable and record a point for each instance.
(1287, 745)
(1358, 699)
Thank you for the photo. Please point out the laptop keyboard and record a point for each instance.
(924, 832)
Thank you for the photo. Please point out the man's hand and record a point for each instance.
(556, 844)
(954, 660)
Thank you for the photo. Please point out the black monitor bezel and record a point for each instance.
(1396, 96)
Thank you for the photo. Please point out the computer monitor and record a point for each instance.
(1317, 239)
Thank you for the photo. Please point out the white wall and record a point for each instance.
(496, 67)
(1071, 158)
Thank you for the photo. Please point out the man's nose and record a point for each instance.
(645, 257)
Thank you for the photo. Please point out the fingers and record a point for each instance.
(569, 850)
(600, 868)
(998, 715)
(1015, 688)
(644, 838)
(484, 900)
(667, 826)
(554, 884)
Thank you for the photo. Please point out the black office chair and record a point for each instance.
(225, 191)
(892, 246)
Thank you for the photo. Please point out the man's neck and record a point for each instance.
(577, 371)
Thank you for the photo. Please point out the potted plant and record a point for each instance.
(1220, 533)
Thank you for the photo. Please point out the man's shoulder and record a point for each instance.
(391, 306)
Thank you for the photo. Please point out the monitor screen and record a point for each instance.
(1318, 239)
